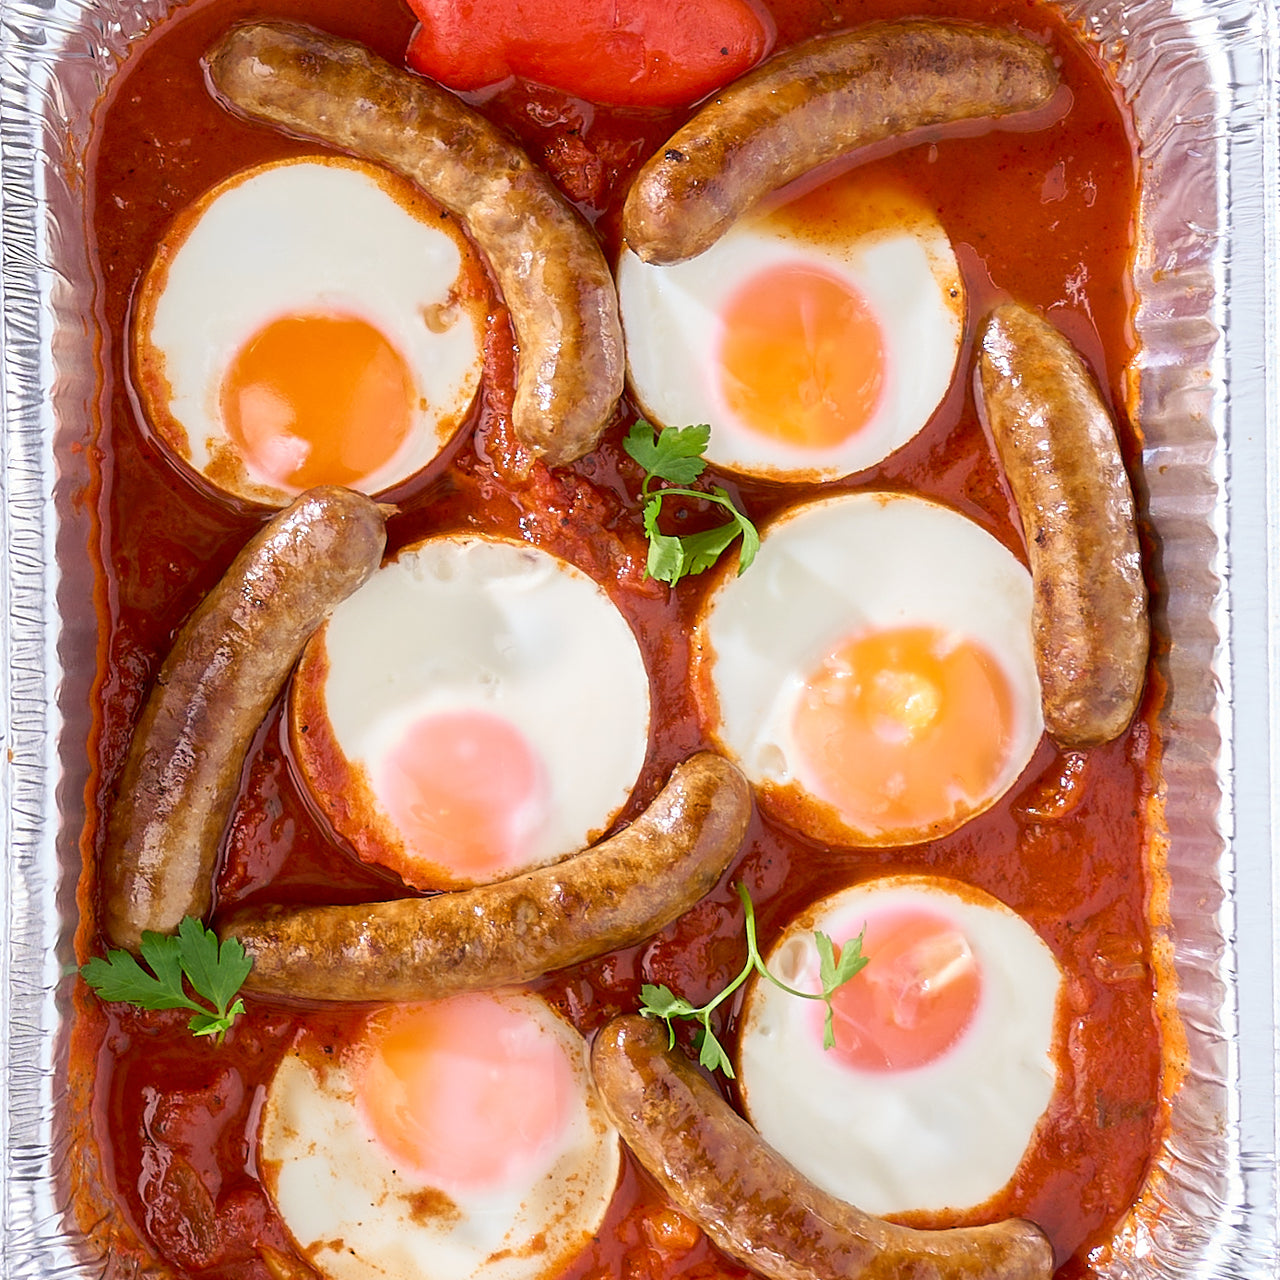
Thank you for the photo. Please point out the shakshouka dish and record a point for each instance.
(625, 735)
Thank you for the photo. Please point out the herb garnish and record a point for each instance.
(675, 457)
(661, 1002)
(214, 971)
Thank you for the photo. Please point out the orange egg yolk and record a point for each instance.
(468, 1092)
(914, 1000)
(466, 790)
(801, 357)
(317, 399)
(903, 728)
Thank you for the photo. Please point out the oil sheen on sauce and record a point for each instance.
(165, 1125)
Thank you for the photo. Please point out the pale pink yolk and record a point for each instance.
(903, 728)
(802, 356)
(317, 399)
(469, 1092)
(914, 1000)
(466, 790)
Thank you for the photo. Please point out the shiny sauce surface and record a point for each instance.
(167, 1124)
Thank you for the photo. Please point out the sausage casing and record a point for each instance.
(611, 895)
(548, 263)
(1058, 446)
(228, 663)
(755, 1205)
(815, 102)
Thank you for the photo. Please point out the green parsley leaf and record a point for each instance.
(701, 550)
(666, 552)
(711, 1053)
(835, 973)
(164, 955)
(121, 978)
(675, 457)
(826, 956)
(214, 971)
(209, 1024)
(662, 1002)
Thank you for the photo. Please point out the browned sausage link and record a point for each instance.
(757, 1207)
(609, 896)
(813, 103)
(228, 664)
(1057, 443)
(553, 275)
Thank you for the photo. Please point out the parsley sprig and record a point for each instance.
(215, 972)
(662, 1002)
(675, 457)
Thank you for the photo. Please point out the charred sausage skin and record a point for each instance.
(227, 665)
(815, 102)
(1057, 444)
(548, 263)
(609, 896)
(756, 1206)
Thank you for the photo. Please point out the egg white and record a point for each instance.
(318, 235)
(469, 622)
(355, 1213)
(825, 569)
(900, 260)
(945, 1135)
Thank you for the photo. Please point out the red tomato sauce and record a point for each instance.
(165, 1124)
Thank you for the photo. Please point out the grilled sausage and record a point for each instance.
(756, 1206)
(609, 896)
(549, 265)
(227, 665)
(813, 103)
(1058, 446)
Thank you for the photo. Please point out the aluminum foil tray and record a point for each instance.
(1204, 80)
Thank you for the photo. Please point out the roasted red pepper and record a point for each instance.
(620, 52)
